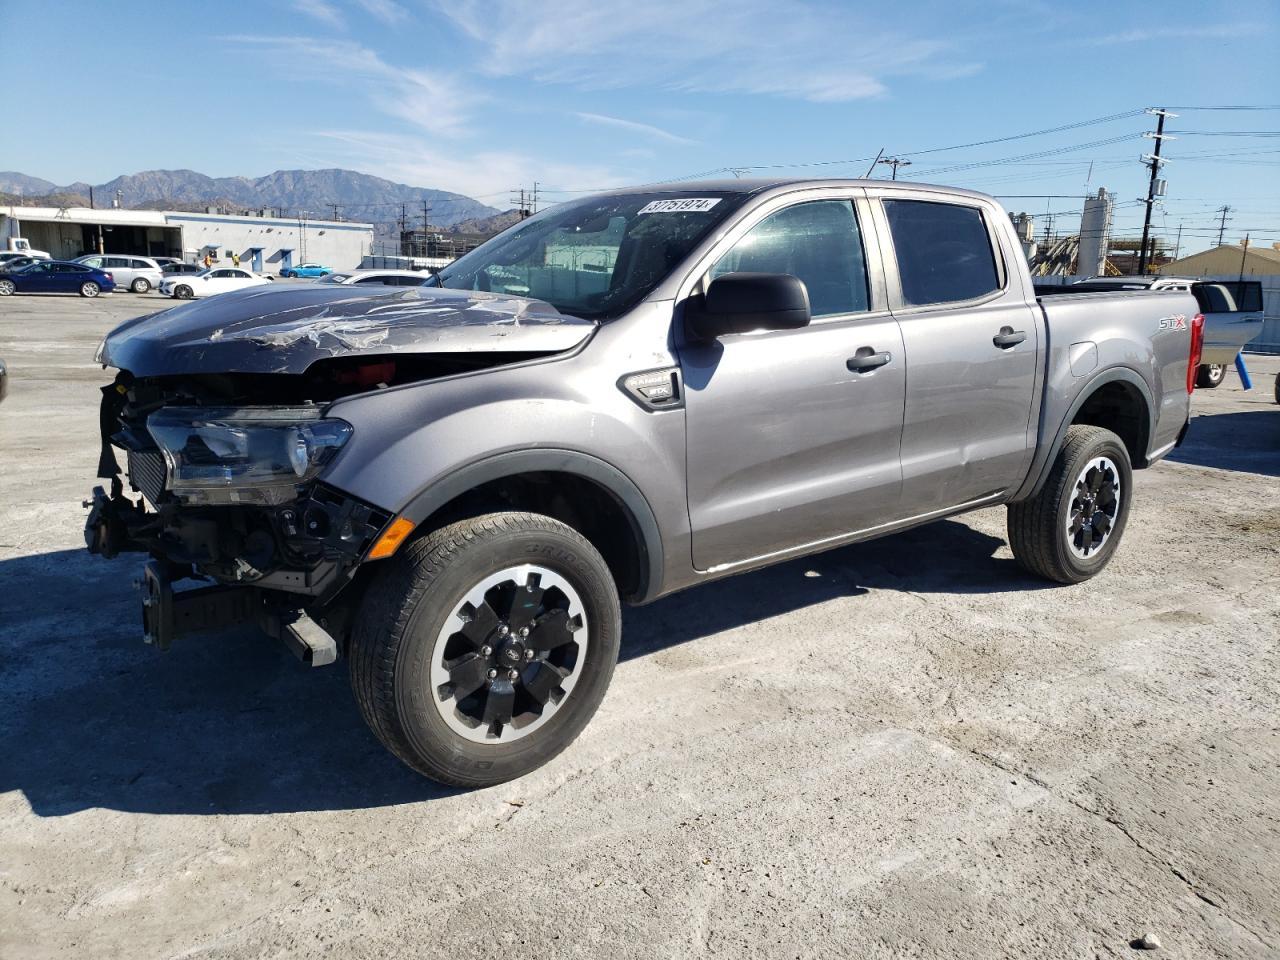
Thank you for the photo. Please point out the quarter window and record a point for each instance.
(819, 243)
(944, 251)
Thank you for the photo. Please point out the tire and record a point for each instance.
(1210, 375)
(1090, 460)
(182, 292)
(141, 285)
(7, 288)
(409, 628)
(89, 289)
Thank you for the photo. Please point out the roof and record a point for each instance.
(753, 185)
(1269, 255)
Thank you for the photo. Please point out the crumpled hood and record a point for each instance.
(286, 329)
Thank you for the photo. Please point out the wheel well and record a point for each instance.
(1118, 406)
(583, 504)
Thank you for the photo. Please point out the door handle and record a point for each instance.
(1008, 337)
(865, 360)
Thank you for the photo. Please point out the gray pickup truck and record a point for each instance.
(455, 486)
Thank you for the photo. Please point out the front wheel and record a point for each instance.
(1069, 530)
(182, 292)
(484, 647)
(1210, 375)
(89, 289)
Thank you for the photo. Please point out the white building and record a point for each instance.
(264, 244)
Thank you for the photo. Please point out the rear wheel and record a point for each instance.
(7, 288)
(141, 285)
(1209, 375)
(1069, 531)
(483, 648)
(89, 289)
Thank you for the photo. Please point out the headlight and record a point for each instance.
(244, 455)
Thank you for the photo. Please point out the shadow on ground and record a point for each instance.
(231, 723)
(1248, 442)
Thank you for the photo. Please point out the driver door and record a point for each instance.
(791, 441)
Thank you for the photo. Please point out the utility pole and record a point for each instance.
(895, 162)
(426, 216)
(521, 208)
(1177, 244)
(1222, 225)
(1153, 161)
(404, 218)
(535, 196)
(335, 211)
(91, 206)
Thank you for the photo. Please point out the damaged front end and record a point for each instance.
(229, 498)
(221, 409)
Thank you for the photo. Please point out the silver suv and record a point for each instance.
(138, 274)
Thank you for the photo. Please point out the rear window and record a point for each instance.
(1228, 296)
(944, 251)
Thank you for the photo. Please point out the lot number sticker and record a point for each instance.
(687, 205)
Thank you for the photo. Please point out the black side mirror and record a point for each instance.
(743, 302)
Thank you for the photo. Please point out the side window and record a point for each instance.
(818, 242)
(378, 280)
(943, 249)
(220, 274)
(95, 262)
(117, 263)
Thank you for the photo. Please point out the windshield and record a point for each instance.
(593, 258)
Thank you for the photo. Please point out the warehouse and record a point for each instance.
(265, 244)
(1228, 259)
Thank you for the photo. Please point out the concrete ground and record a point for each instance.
(900, 749)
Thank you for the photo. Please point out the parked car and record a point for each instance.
(138, 274)
(178, 267)
(622, 396)
(163, 262)
(388, 278)
(210, 282)
(18, 261)
(1232, 309)
(57, 276)
(13, 259)
(306, 270)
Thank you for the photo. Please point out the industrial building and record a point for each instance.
(263, 243)
(1226, 260)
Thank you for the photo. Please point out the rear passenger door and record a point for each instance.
(971, 344)
(788, 445)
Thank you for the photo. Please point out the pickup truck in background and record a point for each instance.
(625, 395)
(1232, 309)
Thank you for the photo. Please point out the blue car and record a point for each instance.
(307, 270)
(56, 276)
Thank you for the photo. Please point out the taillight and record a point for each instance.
(111, 278)
(1197, 347)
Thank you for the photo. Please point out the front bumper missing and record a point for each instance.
(168, 614)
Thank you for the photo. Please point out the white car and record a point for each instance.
(387, 278)
(210, 282)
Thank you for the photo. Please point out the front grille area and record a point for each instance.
(147, 473)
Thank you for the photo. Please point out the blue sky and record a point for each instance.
(483, 97)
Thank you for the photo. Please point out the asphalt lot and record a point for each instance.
(905, 748)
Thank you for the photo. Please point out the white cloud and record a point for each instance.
(823, 53)
(643, 129)
(488, 175)
(432, 101)
(388, 11)
(1146, 34)
(320, 10)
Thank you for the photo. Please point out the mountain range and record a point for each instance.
(358, 196)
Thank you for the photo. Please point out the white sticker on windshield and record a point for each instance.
(687, 205)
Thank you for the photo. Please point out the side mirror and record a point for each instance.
(743, 302)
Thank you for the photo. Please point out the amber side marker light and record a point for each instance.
(391, 539)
